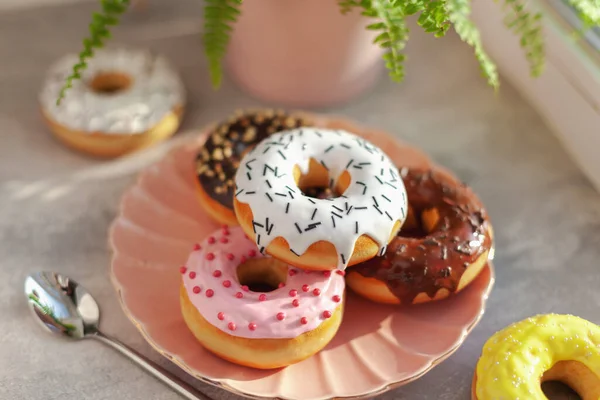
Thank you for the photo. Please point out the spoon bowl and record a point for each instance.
(67, 309)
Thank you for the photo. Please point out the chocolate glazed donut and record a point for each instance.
(445, 242)
(219, 158)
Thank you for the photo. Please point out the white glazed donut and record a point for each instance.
(319, 234)
(263, 330)
(125, 99)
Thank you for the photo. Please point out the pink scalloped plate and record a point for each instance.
(377, 347)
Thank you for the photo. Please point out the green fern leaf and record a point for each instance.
(219, 15)
(459, 12)
(435, 18)
(529, 28)
(99, 32)
(589, 12)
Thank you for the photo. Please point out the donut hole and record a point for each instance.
(317, 183)
(262, 274)
(419, 222)
(572, 380)
(110, 82)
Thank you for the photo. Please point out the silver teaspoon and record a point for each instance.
(65, 308)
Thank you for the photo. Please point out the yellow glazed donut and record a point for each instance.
(549, 347)
(125, 100)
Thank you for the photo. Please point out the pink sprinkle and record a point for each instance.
(217, 273)
(292, 272)
(230, 257)
(281, 316)
(231, 326)
(227, 283)
(327, 274)
(326, 314)
(212, 240)
(293, 292)
(262, 297)
(192, 274)
(210, 293)
(296, 303)
(245, 288)
(243, 259)
(304, 320)
(196, 289)
(339, 272)
(252, 253)
(239, 295)
(252, 326)
(182, 269)
(305, 288)
(221, 316)
(197, 247)
(210, 256)
(336, 298)
(281, 284)
(224, 240)
(225, 231)
(316, 292)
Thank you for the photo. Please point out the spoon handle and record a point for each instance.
(175, 383)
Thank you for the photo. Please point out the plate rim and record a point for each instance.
(220, 383)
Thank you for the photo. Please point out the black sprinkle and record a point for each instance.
(389, 216)
(258, 239)
(380, 181)
(382, 251)
(291, 195)
(269, 196)
(364, 163)
(327, 150)
(333, 221)
(258, 224)
(375, 201)
(385, 197)
(343, 259)
(239, 192)
(336, 214)
(297, 255)
(349, 163)
(356, 227)
(318, 134)
(360, 208)
(266, 149)
(269, 184)
(350, 209)
(389, 184)
(346, 206)
(249, 176)
(313, 214)
(357, 166)
(344, 145)
(331, 183)
(381, 173)
(312, 226)
(311, 200)
(323, 164)
(361, 183)
(282, 155)
(290, 189)
(262, 250)
(252, 192)
(377, 208)
(287, 208)
(281, 194)
(337, 208)
(298, 227)
(247, 164)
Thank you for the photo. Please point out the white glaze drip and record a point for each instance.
(371, 205)
(155, 91)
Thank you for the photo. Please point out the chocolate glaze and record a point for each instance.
(417, 262)
(219, 158)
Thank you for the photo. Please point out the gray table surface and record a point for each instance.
(546, 215)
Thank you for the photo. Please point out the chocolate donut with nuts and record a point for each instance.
(219, 158)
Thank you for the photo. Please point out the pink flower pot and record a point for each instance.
(302, 53)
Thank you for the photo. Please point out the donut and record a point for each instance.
(550, 347)
(315, 233)
(226, 303)
(219, 157)
(444, 244)
(125, 100)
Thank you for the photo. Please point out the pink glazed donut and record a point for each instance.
(257, 311)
